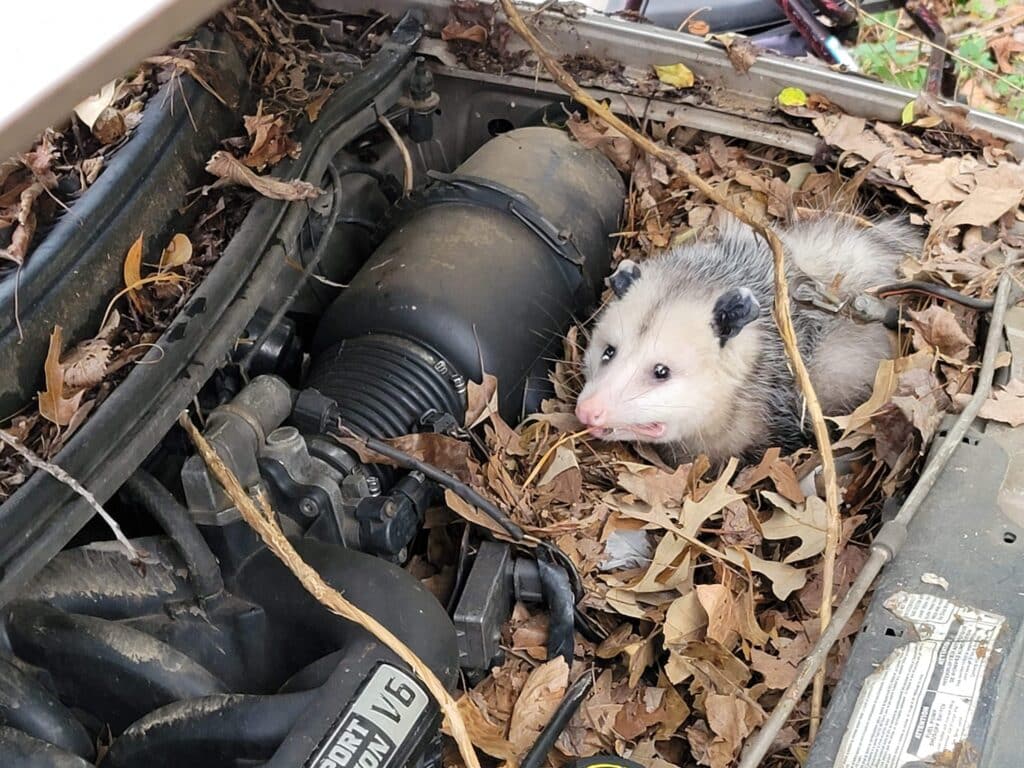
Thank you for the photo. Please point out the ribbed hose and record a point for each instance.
(384, 385)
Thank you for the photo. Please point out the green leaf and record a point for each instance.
(792, 97)
(676, 75)
(907, 116)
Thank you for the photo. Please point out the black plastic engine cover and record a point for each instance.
(490, 264)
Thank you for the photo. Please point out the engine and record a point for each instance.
(211, 653)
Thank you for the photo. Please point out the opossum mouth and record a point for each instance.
(651, 430)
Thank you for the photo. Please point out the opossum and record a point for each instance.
(687, 355)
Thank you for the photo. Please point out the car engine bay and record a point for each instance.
(342, 359)
(209, 652)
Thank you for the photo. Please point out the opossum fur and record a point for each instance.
(688, 356)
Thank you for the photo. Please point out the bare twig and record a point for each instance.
(403, 150)
(57, 473)
(261, 518)
(781, 309)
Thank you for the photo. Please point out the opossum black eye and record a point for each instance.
(661, 372)
(734, 310)
(608, 354)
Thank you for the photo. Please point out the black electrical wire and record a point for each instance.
(936, 291)
(590, 629)
(459, 488)
(321, 248)
(574, 696)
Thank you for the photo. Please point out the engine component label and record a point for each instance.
(921, 700)
(372, 730)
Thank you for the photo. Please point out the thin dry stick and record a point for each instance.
(403, 150)
(548, 454)
(62, 476)
(261, 518)
(782, 316)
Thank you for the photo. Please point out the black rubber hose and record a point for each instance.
(84, 656)
(19, 750)
(557, 591)
(26, 705)
(174, 519)
(209, 732)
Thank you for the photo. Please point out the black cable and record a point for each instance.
(587, 626)
(318, 254)
(574, 696)
(173, 518)
(459, 488)
(936, 291)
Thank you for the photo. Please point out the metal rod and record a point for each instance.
(888, 542)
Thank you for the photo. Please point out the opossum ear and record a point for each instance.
(623, 278)
(734, 310)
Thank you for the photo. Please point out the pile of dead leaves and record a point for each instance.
(37, 187)
(709, 585)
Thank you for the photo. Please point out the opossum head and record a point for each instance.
(666, 362)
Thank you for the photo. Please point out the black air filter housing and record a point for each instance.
(489, 263)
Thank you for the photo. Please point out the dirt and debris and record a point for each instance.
(296, 62)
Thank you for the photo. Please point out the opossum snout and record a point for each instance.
(592, 411)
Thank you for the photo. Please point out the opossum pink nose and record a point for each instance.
(591, 411)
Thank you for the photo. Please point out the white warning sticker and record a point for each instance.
(921, 700)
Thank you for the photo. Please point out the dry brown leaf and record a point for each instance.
(270, 142)
(853, 135)
(741, 51)
(486, 736)
(230, 170)
(26, 219)
(481, 400)
(1004, 47)
(654, 486)
(785, 578)
(997, 190)
(316, 103)
(53, 406)
(777, 673)
(609, 141)
(537, 702)
(474, 33)
(177, 252)
(468, 512)
(719, 603)
(807, 522)
(696, 513)
(86, 365)
(731, 720)
(133, 274)
(89, 109)
(948, 180)
(937, 329)
(1005, 405)
(684, 620)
